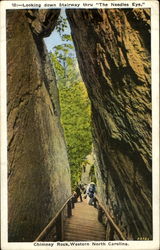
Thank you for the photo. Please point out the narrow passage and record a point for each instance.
(83, 225)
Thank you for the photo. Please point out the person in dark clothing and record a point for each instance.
(78, 192)
(83, 189)
(74, 197)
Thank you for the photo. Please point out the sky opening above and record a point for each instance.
(55, 38)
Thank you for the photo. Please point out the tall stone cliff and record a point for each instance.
(38, 166)
(113, 50)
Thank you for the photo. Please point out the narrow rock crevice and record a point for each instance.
(113, 52)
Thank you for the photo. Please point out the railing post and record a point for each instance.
(59, 227)
(111, 234)
(72, 200)
(114, 227)
(69, 209)
(57, 222)
(100, 213)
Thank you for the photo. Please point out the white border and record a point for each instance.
(148, 245)
(78, 4)
(3, 125)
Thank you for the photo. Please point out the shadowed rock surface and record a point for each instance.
(37, 158)
(113, 50)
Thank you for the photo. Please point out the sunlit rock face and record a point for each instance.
(113, 50)
(38, 169)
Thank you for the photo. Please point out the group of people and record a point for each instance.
(88, 192)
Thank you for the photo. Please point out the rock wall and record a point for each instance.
(113, 50)
(39, 176)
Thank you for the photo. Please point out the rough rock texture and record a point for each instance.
(113, 50)
(37, 158)
(42, 21)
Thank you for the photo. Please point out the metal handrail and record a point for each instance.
(53, 221)
(116, 228)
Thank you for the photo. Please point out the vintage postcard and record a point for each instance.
(79, 125)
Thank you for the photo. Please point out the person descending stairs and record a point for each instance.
(76, 220)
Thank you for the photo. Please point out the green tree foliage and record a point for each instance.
(75, 117)
(61, 24)
(75, 105)
(65, 62)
